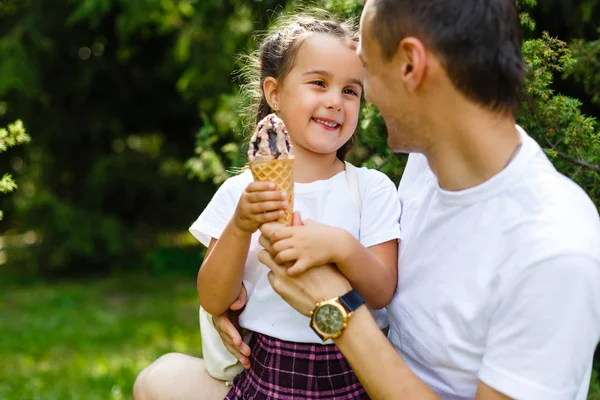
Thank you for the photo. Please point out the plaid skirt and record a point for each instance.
(287, 370)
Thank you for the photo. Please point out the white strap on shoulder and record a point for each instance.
(353, 185)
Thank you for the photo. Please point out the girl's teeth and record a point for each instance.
(329, 124)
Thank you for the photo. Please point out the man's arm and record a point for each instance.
(378, 366)
(375, 361)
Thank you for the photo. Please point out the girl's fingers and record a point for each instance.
(265, 206)
(280, 245)
(241, 300)
(269, 216)
(264, 242)
(260, 186)
(298, 268)
(286, 256)
(268, 195)
(282, 234)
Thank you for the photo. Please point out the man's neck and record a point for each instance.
(471, 145)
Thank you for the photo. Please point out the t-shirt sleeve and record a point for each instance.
(215, 217)
(544, 329)
(380, 212)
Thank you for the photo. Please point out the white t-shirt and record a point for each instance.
(498, 283)
(328, 202)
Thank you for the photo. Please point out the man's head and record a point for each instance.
(413, 48)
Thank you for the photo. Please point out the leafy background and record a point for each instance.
(121, 118)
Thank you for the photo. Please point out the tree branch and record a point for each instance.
(553, 146)
(578, 162)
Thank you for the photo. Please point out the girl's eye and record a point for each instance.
(318, 83)
(350, 91)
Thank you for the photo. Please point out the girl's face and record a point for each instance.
(319, 99)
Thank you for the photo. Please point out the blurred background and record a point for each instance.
(118, 121)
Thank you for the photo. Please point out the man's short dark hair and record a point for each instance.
(477, 41)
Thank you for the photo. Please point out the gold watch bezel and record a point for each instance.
(332, 302)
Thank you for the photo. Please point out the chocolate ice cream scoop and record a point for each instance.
(269, 141)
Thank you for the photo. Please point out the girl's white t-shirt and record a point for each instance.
(328, 202)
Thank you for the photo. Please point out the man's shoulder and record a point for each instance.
(555, 198)
(552, 217)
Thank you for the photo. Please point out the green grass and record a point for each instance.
(88, 340)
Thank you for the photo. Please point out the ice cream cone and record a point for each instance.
(280, 172)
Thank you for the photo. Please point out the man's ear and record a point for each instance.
(271, 91)
(412, 59)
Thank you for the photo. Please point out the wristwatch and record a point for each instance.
(330, 317)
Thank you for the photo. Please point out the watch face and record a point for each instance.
(329, 319)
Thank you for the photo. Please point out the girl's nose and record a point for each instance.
(334, 102)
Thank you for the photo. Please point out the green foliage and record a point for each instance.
(571, 140)
(114, 90)
(12, 136)
(585, 69)
(89, 340)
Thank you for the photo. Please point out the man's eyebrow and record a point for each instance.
(328, 74)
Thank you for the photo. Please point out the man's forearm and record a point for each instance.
(380, 369)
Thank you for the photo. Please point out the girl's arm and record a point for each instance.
(220, 276)
(221, 273)
(373, 272)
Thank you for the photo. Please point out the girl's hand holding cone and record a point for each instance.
(259, 203)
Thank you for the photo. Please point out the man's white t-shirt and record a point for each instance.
(328, 202)
(498, 283)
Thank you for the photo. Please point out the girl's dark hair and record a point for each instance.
(276, 56)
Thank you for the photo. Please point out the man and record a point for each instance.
(499, 268)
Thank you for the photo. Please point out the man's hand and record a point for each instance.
(229, 329)
(304, 291)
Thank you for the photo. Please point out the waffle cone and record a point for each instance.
(281, 173)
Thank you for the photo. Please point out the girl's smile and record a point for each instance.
(327, 124)
(319, 99)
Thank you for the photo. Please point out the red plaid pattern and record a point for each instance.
(283, 370)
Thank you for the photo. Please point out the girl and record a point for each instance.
(309, 74)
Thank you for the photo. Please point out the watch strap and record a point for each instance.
(352, 300)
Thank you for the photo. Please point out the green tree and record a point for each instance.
(114, 90)
(11, 136)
